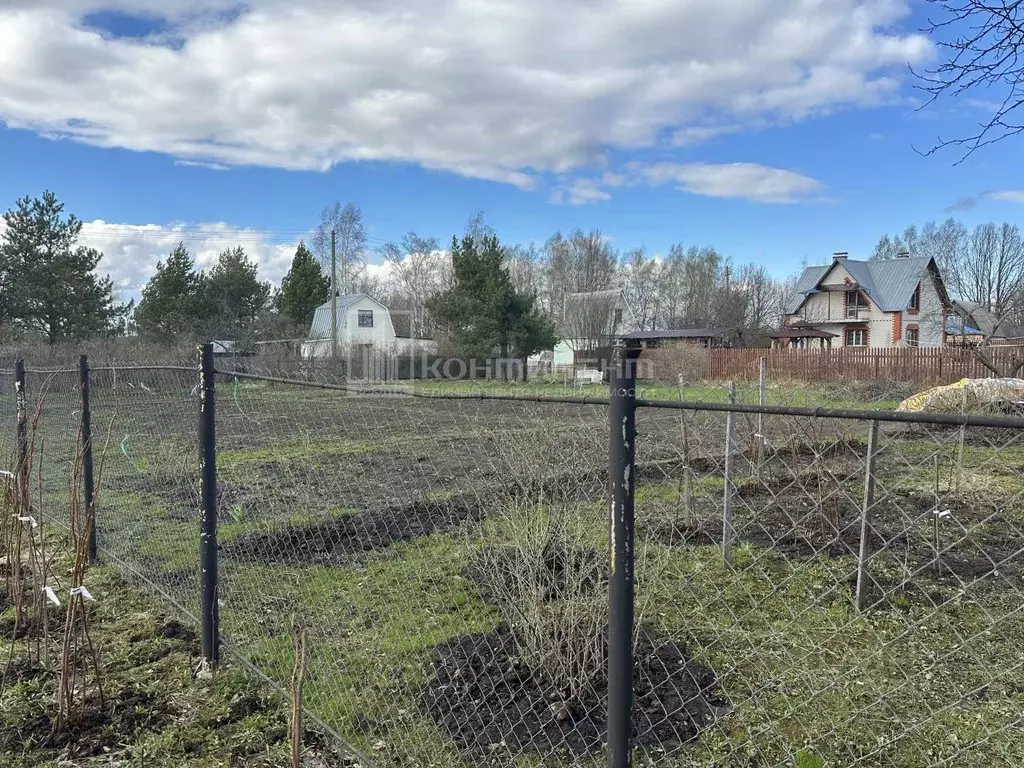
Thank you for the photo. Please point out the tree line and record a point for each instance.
(478, 293)
(983, 266)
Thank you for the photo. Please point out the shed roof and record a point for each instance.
(675, 333)
(957, 327)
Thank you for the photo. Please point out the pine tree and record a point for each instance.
(172, 305)
(303, 289)
(482, 311)
(48, 283)
(235, 297)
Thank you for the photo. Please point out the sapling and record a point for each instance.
(298, 680)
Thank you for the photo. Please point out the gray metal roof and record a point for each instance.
(805, 284)
(675, 333)
(958, 327)
(888, 283)
(977, 315)
(321, 326)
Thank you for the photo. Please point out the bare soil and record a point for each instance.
(978, 545)
(348, 539)
(491, 703)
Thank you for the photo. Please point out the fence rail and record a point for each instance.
(512, 580)
(922, 366)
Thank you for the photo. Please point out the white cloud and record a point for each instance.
(503, 90)
(131, 251)
(750, 181)
(580, 192)
(691, 136)
(1008, 196)
(201, 164)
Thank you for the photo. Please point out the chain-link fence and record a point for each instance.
(431, 566)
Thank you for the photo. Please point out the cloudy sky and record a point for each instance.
(776, 130)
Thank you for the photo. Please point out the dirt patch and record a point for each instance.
(31, 626)
(129, 712)
(346, 539)
(172, 629)
(977, 545)
(487, 700)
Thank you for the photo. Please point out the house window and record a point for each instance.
(366, 318)
(913, 336)
(854, 304)
(915, 300)
(857, 338)
(618, 316)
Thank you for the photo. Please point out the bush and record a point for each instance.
(548, 586)
(670, 362)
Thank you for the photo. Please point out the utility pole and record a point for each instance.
(334, 298)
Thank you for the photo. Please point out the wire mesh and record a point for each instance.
(829, 620)
(147, 463)
(445, 558)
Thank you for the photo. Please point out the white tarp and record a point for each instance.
(967, 396)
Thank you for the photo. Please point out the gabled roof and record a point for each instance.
(806, 284)
(321, 326)
(888, 283)
(585, 297)
(585, 311)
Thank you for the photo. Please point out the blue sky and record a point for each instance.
(775, 130)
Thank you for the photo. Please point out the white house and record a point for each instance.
(895, 302)
(586, 323)
(364, 328)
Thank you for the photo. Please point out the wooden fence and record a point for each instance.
(916, 366)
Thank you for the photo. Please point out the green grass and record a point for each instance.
(794, 395)
(158, 714)
(812, 682)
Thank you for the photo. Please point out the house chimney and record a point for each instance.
(903, 255)
(840, 255)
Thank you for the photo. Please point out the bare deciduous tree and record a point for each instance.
(525, 267)
(581, 263)
(350, 243)
(982, 42)
(588, 319)
(989, 270)
(762, 296)
(638, 276)
(416, 265)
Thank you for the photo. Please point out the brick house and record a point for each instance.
(896, 302)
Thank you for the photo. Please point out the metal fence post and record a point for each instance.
(727, 532)
(88, 481)
(865, 526)
(22, 469)
(622, 476)
(208, 522)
